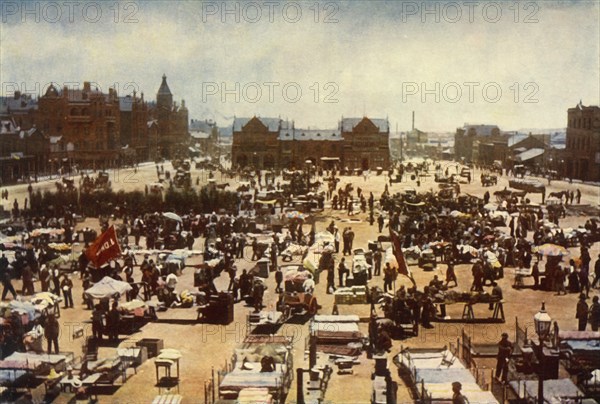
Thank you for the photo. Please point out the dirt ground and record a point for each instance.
(205, 348)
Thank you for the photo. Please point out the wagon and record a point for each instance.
(291, 303)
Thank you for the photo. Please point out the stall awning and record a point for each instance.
(330, 159)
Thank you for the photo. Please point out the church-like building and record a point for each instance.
(357, 143)
(172, 123)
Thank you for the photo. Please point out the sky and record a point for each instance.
(516, 64)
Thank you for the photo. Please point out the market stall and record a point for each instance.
(259, 363)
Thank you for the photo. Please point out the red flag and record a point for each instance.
(105, 248)
(397, 250)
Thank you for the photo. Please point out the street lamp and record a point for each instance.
(542, 322)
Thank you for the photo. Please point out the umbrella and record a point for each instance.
(468, 249)
(295, 215)
(552, 250)
(172, 216)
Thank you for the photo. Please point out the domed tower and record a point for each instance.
(164, 98)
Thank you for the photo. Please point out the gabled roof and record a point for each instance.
(349, 123)
(273, 124)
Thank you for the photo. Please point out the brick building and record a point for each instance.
(582, 153)
(276, 143)
(92, 129)
(172, 122)
(87, 122)
(23, 153)
(134, 127)
(480, 143)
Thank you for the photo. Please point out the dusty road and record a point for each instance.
(207, 347)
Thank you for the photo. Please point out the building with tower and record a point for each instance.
(172, 123)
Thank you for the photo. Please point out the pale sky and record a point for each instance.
(370, 58)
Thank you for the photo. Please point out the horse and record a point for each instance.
(558, 195)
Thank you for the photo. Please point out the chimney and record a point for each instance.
(17, 95)
(87, 86)
(413, 120)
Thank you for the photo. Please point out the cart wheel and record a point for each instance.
(313, 307)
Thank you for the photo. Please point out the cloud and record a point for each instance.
(363, 61)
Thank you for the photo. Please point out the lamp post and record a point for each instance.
(542, 322)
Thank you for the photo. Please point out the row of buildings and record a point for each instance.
(577, 158)
(88, 128)
(91, 129)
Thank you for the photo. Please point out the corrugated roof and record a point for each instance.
(529, 154)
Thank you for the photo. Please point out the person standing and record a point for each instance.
(336, 236)
(595, 314)
(505, 350)
(278, 280)
(560, 278)
(67, 288)
(596, 272)
(377, 257)
(582, 312)
(27, 277)
(535, 272)
(330, 280)
(51, 331)
(342, 270)
(388, 277)
(380, 221)
(451, 274)
(6, 278)
(45, 278)
(113, 319)
(97, 322)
